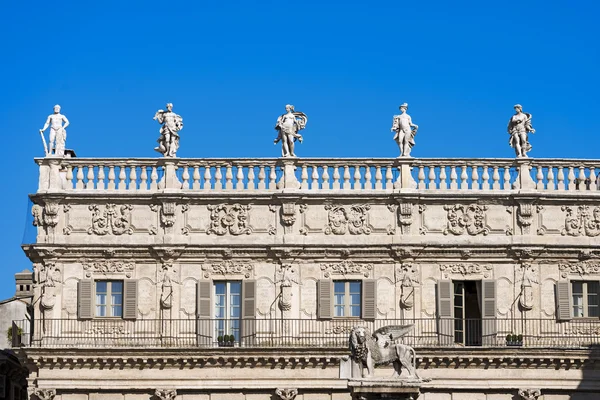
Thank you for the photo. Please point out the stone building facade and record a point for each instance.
(242, 278)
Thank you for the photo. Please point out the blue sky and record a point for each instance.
(230, 68)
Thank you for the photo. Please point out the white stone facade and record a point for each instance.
(469, 251)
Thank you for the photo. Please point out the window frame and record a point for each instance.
(584, 294)
(231, 325)
(108, 304)
(347, 299)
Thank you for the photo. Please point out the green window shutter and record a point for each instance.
(325, 299)
(369, 299)
(444, 311)
(84, 299)
(130, 298)
(563, 300)
(489, 329)
(203, 310)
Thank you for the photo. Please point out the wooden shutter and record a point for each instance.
(563, 300)
(84, 299)
(369, 299)
(444, 310)
(130, 298)
(325, 299)
(203, 310)
(248, 312)
(488, 312)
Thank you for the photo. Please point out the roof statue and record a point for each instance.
(518, 128)
(168, 142)
(58, 133)
(288, 125)
(380, 348)
(405, 131)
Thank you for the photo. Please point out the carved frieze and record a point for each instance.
(112, 219)
(530, 394)
(354, 219)
(166, 394)
(232, 219)
(465, 270)
(579, 268)
(46, 216)
(346, 268)
(286, 394)
(108, 267)
(227, 267)
(583, 221)
(469, 219)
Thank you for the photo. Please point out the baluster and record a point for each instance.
(496, 179)
(540, 178)
(336, 178)
(144, 179)
(561, 178)
(389, 185)
(474, 177)
(485, 185)
(378, 178)
(368, 183)
(89, 185)
(581, 179)
(79, 176)
(196, 178)
(153, 179)
(185, 177)
(325, 178)
(550, 179)
(304, 177)
(228, 177)
(121, 185)
(261, 178)
(571, 178)
(111, 178)
(207, 178)
(315, 178)
(100, 185)
(463, 178)
(239, 185)
(593, 184)
(431, 185)
(421, 178)
(346, 177)
(132, 178)
(251, 178)
(272, 178)
(506, 185)
(218, 178)
(357, 184)
(69, 177)
(443, 177)
(453, 178)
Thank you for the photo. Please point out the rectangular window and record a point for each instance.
(227, 297)
(109, 298)
(347, 298)
(585, 298)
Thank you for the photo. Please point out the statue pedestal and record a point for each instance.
(391, 389)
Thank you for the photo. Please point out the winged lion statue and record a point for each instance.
(381, 348)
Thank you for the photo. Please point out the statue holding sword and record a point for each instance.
(58, 133)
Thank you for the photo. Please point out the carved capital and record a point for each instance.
(166, 394)
(168, 254)
(530, 394)
(43, 394)
(286, 394)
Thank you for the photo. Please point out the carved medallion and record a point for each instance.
(353, 220)
(466, 219)
(227, 267)
(346, 268)
(583, 222)
(115, 219)
(232, 219)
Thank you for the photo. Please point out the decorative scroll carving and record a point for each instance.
(466, 219)
(232, 219)
(167, 213)
(46, 216)
(529, 278)
(108, 267)
(407, 275)
(530, 394)
(584, 330)
(341, 221)
(583, 222)
(466, 269)
(405, 213)
(44, 394)
(346, 268)
(525, 216)
(166, 394)
(580, 268)
(113, 219)
(227, 267)
(286, 394)
(288, 214)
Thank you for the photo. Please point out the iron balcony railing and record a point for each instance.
(304, 333)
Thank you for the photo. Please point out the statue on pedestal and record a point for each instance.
(518, 128)
(288, 125)
(380, 348)
(405, 131)
(58, 133)
(168, 142)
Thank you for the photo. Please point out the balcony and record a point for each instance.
(428, 333)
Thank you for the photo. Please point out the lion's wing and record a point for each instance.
(397, 331)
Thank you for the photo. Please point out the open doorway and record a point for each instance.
(467, 313)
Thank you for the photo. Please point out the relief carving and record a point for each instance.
(530, 394)
(232, 219)
(166, 294)
(580, 268)
(167, 213)
(405, 217)
(525, 216)
(44, 394)
(107, 267)
(407, 275)
(227, 267)
(46, 216)
(466, 269)
(49, 276)
(466, 219)
(527, 281)
(353, 220)
(346, 268)
(166, 394)
(115, 219)
(286, 394)
(391, 228)
(583, 222)
(286, 275)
